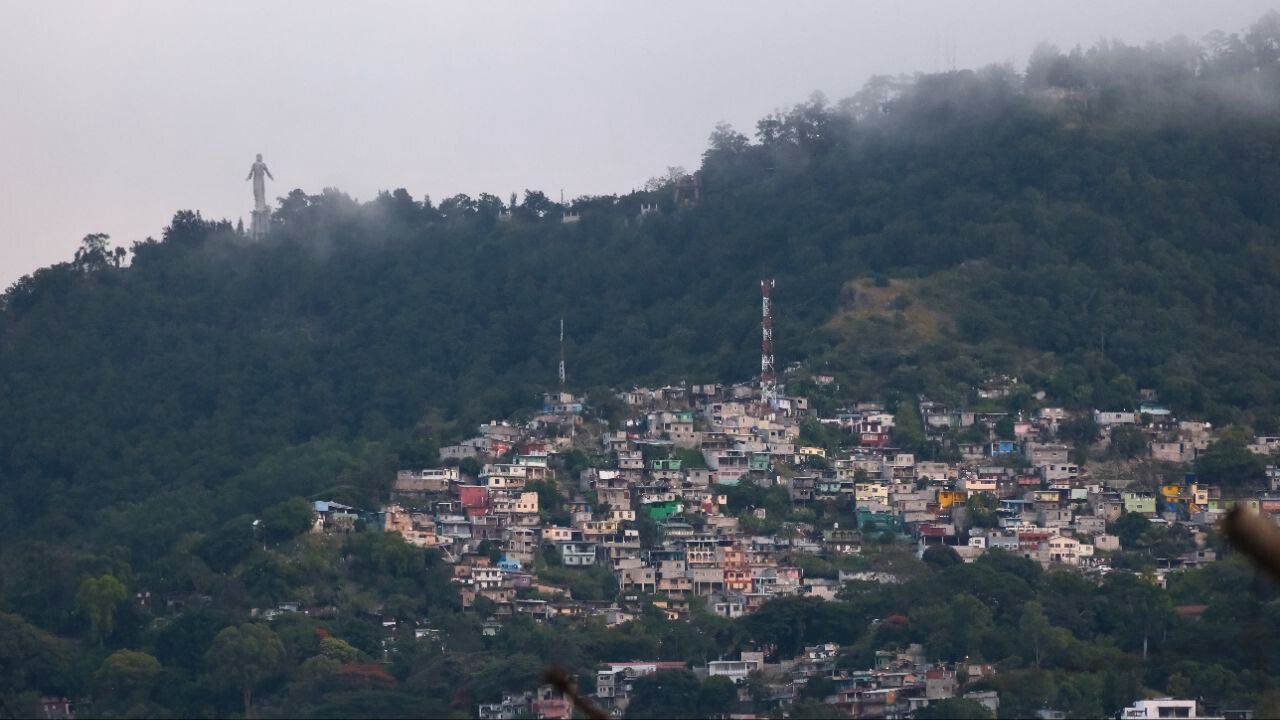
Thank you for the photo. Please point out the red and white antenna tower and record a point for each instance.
(768, 380)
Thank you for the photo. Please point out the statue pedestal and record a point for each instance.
(261, 221)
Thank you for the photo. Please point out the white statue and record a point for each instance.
(256, 173)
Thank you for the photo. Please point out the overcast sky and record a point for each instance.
(114, 115)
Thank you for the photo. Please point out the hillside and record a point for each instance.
(1107, 220)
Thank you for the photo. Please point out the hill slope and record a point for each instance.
(1106, 222)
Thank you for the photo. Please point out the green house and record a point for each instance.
(660, 511)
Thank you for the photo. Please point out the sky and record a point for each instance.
(115, 115)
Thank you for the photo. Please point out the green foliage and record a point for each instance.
(1080, 431)
(981, 510)
(665, 694)
(30, 658)
(940, 557)
(286, 520)
(243, 657)
(908, 431)
(99, 600)
(1129, 527)
(490, 549)
(815, 710)
(126, 677)
(690, 459)
(1105, 222)
(339, 650)
(1231, 465)
(1128, 441)
(1004, 428)
(716, 696)
(550, 499)
(953, 709)
(817, 688)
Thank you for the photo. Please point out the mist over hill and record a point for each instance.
(1106, 220)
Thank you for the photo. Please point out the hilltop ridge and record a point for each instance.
(1104, 221)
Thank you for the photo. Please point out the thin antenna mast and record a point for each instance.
(562, 354)
(768, 380)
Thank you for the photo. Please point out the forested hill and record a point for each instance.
(1105, 220)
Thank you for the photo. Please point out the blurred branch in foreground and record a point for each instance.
(560, 680)
(1256, 537)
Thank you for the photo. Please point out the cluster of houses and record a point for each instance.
(653, 511)
(672, 463)
(901, 682)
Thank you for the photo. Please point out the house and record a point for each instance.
(1141, 503)
(1054, 472)
(1068, 550)
(1038, 453)
(334, 516)
(1265, 445)
(988, 698)
(417, 529)
(431, 480)
(1174, 452)
(736, 670)
(577, 554)
(731, 609)
(1106, 542)
(1160, 708)
(1107, 418)
(460, 452)
(676, 427)
(1003, 447)
(56, 708)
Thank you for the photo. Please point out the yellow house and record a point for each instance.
(947, 498)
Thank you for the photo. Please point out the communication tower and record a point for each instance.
(561, 354)
(768, 379)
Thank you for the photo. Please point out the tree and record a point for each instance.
(127, 676)
(95, 253)
(243, 657)
(665, 694)
(981, 510)
(1129, 527)
(1229, 463)
(1034, 628)
(340, 650)
(953, 709)
(1128, 441)
(908, 432)
(815, 710)
(817, 688)
(940, 557)
(716, 696)
(490, 549)
(99, 600)
(1080, 431)
(287, 519)
(1004, 427)
(484, 606)
(30, 658)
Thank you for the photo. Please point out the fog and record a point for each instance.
(115, 115)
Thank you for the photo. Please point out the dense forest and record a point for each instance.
(1106, 219)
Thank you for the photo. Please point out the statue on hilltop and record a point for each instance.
(258, 172)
